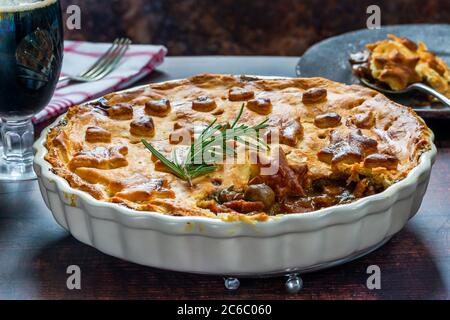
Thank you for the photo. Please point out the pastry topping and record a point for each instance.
(143, 126)
(97, 134)
(438, 67)
(363, 120)
(155, 188)
(121, 111)
(314, 95)
(262, 106)
(182, 136)
(101, 158)
(178, 125)
(158, 108)
(398, 69)
(411, 45)
(161, 167)
(204, 104)
(240, 94)
(378, 160)
(348, 150)
(218, 112)
(61, 142)
(328, 120)
(291, 132)
(365, 144)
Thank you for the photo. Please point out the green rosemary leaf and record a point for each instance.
(212, 140)
(175, 169)
(238, 116)
(202, 170)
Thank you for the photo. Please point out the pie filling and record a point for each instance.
(398, 62)
(330, 143)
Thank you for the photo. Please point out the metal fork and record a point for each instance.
(104, 65)
(415, 86)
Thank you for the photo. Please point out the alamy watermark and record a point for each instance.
(374, 280)
(73, 281)
(374, 19)
(73, 21)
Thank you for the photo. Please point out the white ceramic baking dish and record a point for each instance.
(292, 243)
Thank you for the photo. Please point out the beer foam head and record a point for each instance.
(23, 5)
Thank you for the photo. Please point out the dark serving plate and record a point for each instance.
(329, 58)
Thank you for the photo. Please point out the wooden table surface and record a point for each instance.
(35, 251)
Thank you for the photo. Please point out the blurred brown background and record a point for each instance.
(241, 27)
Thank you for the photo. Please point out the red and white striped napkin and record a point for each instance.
(139, 61)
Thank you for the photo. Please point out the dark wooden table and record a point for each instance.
(35, 252)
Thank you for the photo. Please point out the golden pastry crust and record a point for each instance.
(400, 62)
(338, 143)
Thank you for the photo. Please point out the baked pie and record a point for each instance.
(398, 62)
(336, 144)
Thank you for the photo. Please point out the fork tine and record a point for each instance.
(112, 61)
(109, 60)
(115, 61)
(100, 60)
(106, 59)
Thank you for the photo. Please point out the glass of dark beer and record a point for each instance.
(31, 52)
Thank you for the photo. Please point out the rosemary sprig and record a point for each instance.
(211, 140)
